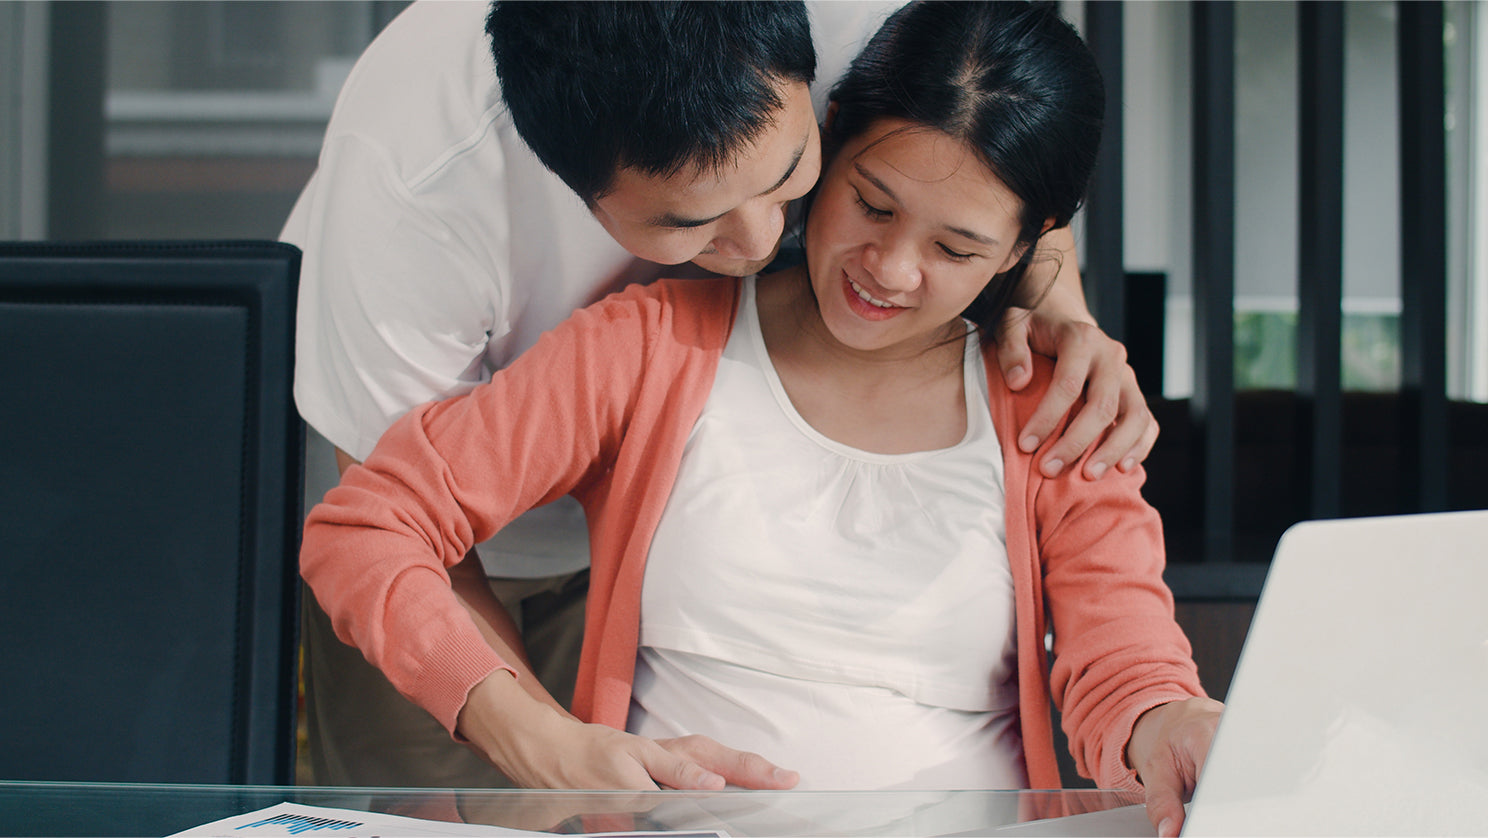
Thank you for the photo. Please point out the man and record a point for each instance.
(453, 218)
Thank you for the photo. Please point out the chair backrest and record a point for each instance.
(151, 469)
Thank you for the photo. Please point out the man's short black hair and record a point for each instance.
(594, 87)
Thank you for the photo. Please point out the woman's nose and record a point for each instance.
(894, 263)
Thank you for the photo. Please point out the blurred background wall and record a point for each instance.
(203, 119)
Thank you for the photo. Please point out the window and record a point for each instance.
(1158, 205)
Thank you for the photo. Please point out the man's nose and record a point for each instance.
(754, 232)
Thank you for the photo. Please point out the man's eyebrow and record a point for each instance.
(884, 188)
(791, 169)
(670, 220)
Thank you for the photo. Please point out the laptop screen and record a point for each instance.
(1360, 702)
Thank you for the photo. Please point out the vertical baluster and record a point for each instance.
(1423, 253)
(75, 132)
(1320, 253)
(1105, 269)
(1213, 401)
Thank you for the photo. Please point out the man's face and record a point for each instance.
(729, 221)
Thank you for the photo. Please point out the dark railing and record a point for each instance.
(1234, 469)
(1105, 258)
(1423, 249)
(1320, 254)
(1212, 407)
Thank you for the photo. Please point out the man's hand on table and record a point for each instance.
(537, 746)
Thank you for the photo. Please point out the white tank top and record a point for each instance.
(843, 613)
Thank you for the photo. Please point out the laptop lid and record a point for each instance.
(1360, 702)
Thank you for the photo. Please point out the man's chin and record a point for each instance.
(730, 267)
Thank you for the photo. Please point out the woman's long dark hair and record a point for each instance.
(1013, 81)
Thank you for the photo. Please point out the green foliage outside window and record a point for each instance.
(1266, 351)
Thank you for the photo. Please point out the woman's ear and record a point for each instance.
(831, 115)
(1014, 256)
(1017, 253)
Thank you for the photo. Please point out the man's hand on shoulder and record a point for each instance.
(1087, 363)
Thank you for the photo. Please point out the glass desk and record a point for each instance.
(122, 809)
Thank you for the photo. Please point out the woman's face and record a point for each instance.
(907, 227)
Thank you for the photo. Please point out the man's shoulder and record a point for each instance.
(420, 129)
(444, 40)
(840, 29)
(424, 87)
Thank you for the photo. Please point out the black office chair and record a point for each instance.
(151, 468)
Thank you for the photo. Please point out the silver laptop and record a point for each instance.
(1360, 702)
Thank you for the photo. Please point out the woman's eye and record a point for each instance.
(870, 210)
(959, 257)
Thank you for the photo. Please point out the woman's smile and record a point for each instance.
(911, 225)
(865, 305)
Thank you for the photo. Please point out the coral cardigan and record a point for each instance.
(601, 408)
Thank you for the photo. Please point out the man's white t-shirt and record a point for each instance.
(437, 247)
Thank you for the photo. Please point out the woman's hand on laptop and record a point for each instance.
(1167, 750)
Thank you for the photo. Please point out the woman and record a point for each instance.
(812, 530)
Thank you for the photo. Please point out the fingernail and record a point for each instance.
(1029, 444)
(1166, 830)
(1128, 464)
(1096, 470)
(1016, 372)
(1053, 467)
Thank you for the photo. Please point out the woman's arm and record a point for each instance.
(1123, 674)
(1167, 750)
(473, 591)
(386, 549)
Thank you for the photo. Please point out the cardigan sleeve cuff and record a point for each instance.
(1115, 773)
(452, 668)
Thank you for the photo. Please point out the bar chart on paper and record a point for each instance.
(289, 819)
(295, 824)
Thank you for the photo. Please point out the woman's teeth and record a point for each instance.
(866, 297)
